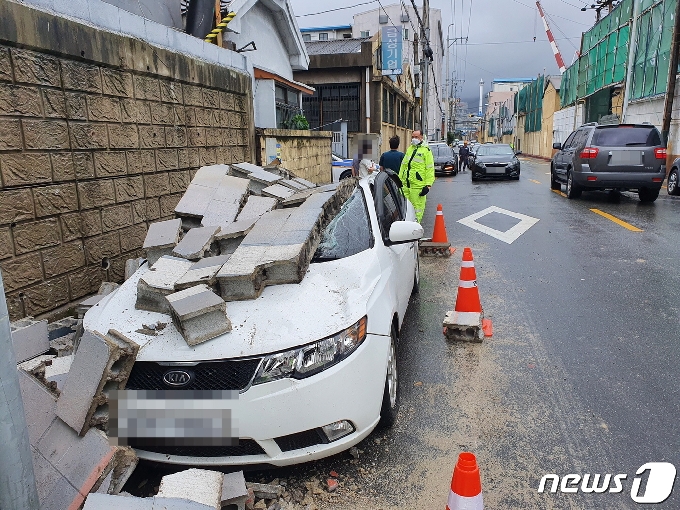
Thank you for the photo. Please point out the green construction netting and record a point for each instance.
(652, 52)
(529, 101)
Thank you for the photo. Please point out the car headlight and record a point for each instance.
(312, 358)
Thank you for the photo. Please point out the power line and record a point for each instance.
(562, 17)
(519, 42)
(336, 9)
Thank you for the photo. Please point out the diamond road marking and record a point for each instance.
(526, 222)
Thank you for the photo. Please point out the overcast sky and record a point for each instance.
(500, 34)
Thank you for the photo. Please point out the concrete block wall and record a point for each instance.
(100, 134)
(305, 153)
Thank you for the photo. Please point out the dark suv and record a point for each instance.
(619, 157)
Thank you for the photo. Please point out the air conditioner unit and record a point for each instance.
(382, 19)
(404, 18)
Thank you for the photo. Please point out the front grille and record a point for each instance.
(301, 440)
(244, 447)
(209, 375)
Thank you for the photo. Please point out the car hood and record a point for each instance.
(501, 158)
(332, 296)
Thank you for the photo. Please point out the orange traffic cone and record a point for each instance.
(468, 293)
(466, 485)
(439, 234)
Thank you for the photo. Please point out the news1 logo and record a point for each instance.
(657, 490)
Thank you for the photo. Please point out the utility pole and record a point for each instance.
(672, 77)
(631, 59)
(17, 479)
(427, 53)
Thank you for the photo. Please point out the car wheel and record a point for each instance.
(346, 174)
(573, 191)
(554, 183)
(416, 277)
(390, 403)
(473, 176)
(647, 195)
(672, 184)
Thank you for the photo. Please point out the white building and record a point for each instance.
(326, 33)
(367, 24)
(510, 84)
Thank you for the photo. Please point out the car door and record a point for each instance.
(560, 164)
(391, 206)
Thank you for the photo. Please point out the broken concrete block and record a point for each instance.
(244, 169)
(39, 405)
(195, 243)
(131, 266)
(211, 175)
(29, 338)
(64, 334)
(260, 179)
(265, 491)
(277, 191)
(234, 491)
(228, 198)
(57, 371)
(84, 306)
(192, 205)
(463, 326)
(107, 288)
(199, 314)
(101, 364)
(158, 282)
(199, 485)
(304, 182)
(298, 198)
(97, 501)
(204, 271)
(295, 186)
(231, 235)
(161, 238)
(256, 207)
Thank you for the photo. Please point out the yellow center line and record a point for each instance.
(617, 221)
(534, 181)
(558, 192)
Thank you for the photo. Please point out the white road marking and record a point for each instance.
(526, 222)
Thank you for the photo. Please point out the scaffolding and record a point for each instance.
(529, 102)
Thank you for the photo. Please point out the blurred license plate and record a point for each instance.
(495, 169)
(625, 158)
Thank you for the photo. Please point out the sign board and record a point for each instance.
(392, 41)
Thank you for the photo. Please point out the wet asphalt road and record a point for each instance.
(581, 375)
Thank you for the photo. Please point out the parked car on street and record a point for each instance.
(445, 159)
(310, 369)
(494, 160)
(618, 157)
(674, 178)
(341, 168)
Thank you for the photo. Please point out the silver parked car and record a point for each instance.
(616, 157)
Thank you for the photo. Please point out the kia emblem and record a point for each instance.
(177, 378)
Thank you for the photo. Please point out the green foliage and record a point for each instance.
(298, 122)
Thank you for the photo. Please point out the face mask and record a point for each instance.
(415, 141)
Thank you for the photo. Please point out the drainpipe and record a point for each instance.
(17, 479)
(672, 77)
(631, 58)
(368, 100)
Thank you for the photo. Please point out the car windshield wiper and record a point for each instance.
(324, 259)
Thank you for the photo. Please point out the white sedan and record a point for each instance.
(307, 371)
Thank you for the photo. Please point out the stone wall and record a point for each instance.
(305, 153)
(100, 134)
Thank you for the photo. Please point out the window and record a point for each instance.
(567, 142)
(323, 36)
(306, 37)
(365, 33)
(348, 233)
(287, 105)
(625, 136)
(346, 36)
(406, 34)
(332, 102)
(389, 203)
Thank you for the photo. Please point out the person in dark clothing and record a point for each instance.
(392, 158)
(463, 155)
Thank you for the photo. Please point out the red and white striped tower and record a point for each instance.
(553, 44)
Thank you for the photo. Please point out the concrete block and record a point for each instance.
(260, 179)
(277, 191)
(199, 485)
(64, 334)
(298, 198)
(228, 198)
(110, 502)
(84, 306)
(131, 266)
(29, 338)
(265, 491)
(231, 235)
(159, 282)
(204, 271)
(195, 243)
(57, 371)
(194, 201)
(39, 405)
(463, 326)
(102, 363)
(244, 169)
(210, 176)
(256, 207)
(295, 186)
(304, 182)
(234, 490)
(161, 238)
(279, 247)
(199, 314)
(107, 288)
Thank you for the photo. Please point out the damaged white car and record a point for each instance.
(306, 370)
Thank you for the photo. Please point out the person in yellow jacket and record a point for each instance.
(417, 173)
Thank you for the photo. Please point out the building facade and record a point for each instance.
(330, 33)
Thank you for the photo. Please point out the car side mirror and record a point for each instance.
(405, 232)
(518, 153)
(557, 146)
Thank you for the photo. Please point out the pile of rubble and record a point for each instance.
(237, 229)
